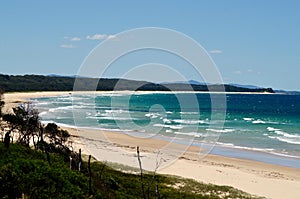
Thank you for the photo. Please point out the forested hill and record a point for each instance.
(22, 83)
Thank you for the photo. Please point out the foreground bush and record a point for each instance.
(26, 173)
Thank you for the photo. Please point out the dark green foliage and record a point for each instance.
(57, 136)
(25, 171)
(9, 182)
(26, 121)
(11, 83)
(57, 141)
(34, 83)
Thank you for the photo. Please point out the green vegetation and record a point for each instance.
(47, 168)
(11, 83)
(26, 172)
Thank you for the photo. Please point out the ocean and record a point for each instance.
(263, 127)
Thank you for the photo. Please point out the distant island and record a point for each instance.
(26, 83)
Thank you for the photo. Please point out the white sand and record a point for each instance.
(257, 178)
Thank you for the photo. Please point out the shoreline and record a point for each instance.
(254, 177)
(219, 149)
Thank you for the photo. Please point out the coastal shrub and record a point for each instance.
(25, 120)
(9, 182)
(26, 172)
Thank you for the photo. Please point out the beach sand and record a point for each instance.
(254, 177)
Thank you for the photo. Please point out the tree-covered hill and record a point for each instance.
(24, 83)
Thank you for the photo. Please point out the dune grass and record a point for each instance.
(26, 173)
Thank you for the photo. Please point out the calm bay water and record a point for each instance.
(267, 123)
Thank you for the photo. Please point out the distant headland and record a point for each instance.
(26, 83)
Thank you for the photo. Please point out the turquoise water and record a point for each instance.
(260, 123)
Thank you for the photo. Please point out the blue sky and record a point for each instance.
(251, 42)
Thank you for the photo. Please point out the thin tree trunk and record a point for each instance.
(71, 162)
(102, 169)
(7, 139)
(34, 144)
(48, 157)
(80, 160)
(41, 134)
(90, 175)
(156, 192)
(141, 170)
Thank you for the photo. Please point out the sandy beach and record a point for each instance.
(257, 178)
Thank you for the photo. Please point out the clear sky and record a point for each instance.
(252, 42)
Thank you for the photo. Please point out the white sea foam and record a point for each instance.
(258, 122)
(245, 148)
(43, 113)
(195, 134)
(116, 94)
(114, 118)
(169, 126)
(47, 121)
(86, 104)
(286, 140)
(285, 155)
(270, 122)
(72, 98)
(166, 121)
(52, 110)
(41, 103)
(284, 134)
(272, 129)
(175, 127)
(189, 113)
(287, 134)
(117, 111)
(152, 115)
(66, 108)
(190, 121)
(221, 130)
(225, 144)
(248, 118)
(93, 117)
(109, 114)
